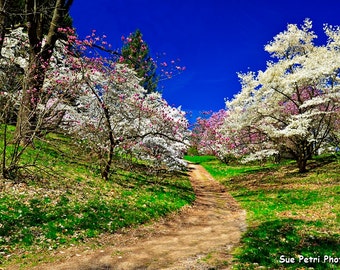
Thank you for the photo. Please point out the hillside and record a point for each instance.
(61, 200)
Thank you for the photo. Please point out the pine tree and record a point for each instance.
(136, 54)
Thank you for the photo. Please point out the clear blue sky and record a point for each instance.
(214, 39)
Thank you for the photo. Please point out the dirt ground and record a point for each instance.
(201, 236)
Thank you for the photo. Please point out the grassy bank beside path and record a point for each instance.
(62, 201)
(293, 219)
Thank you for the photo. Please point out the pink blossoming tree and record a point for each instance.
(100, 102)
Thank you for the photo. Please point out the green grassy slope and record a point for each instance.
(62, 200)
(291, 216)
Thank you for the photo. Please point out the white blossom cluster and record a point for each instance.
(293, 106)
(15, 47)
(143, 125)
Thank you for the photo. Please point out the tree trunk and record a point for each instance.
(107, 169)
(27, 123)
(302, 153)
(2, 23)
(32, 85)
(302, 164)
(105, 173)
(305, 152)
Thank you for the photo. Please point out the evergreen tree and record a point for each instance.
(135, 53)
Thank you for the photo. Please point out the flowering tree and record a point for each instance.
(10, 78)
(50, 104)
(206, 136)
(114, 116)
(40, 52)
(293, 105)
(102, 103)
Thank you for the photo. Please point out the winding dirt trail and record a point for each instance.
(199, 237)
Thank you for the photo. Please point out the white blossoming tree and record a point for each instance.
(292, 106)
(115, 116)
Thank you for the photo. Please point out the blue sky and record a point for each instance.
(214, 39)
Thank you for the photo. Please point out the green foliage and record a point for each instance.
(289, 214)
(136, 54)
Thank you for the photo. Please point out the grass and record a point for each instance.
(67, 203)
(288, 214)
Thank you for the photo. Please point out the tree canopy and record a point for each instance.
(136, 54)
(293, 106)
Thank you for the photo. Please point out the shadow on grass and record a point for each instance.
(140, 176)
(265, 244)
(319, 162)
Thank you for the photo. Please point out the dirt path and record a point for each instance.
(199, 237)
